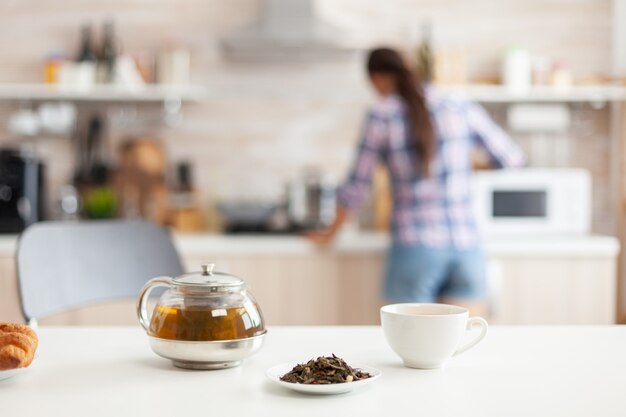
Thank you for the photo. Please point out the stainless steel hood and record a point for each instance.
(288, 29)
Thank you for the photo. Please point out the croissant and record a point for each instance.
(18, 344)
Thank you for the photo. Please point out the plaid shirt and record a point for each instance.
(432, 210)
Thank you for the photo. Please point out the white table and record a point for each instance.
(515, 371)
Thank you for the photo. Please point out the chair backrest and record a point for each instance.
(64, 265)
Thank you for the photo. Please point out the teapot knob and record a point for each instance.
(207, 268)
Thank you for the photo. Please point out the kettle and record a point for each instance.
(311, 202)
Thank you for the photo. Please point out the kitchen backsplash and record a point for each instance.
(264, 122)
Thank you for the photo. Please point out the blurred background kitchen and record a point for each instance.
(215, 119)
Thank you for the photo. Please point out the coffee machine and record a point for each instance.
(21, 191)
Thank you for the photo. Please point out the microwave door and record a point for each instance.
(519, 204)
(515, 211)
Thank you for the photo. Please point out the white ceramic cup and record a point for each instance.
(425, 336)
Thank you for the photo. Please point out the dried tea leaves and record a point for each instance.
(324, 370)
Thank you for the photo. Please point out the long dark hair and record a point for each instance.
(389, 62)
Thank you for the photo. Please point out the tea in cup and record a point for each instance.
(425, 336)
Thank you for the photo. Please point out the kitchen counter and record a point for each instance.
(555, 280)
(552, 371)
(369, 242)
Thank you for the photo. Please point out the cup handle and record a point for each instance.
(142, 301)
(483, 331)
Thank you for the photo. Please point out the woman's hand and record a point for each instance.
(324, 237)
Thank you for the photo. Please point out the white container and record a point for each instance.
(174, 66)
(126, 73)
(85, 73)
(562, 78)
(78, 75)
(517, 70)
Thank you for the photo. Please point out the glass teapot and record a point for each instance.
(201, 306)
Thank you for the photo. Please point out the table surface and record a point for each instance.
(515, 371)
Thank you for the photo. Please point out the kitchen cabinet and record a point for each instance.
(557, 290)
(289, 289)
(346, 289)
(566, 281)
(548, 281)
(360, 289)
(324, 289)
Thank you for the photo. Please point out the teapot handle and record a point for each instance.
(142, 301)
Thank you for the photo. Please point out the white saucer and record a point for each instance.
(277, 371)
(9, 373)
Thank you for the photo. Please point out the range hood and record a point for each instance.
(288, 29)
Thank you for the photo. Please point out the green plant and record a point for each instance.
(101, 203)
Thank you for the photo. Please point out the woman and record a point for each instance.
(426, 140)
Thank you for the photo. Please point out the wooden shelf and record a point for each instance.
(500, 94)
(196, 93)
(482, 93)
(101, 93)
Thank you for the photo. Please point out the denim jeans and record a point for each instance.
(425, 274)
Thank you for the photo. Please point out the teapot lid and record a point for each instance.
(208, 278)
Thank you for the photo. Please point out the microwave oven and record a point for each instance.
(531, 201)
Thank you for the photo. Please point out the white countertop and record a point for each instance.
(372, 242)
(204, 244)
(516, 371)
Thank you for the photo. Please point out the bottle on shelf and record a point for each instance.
(517, 70)
(85, 71)
(86, 52)
(107, 54)
(425, 57)
(51, 67)
(184, 213)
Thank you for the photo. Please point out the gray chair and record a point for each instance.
(65, 265)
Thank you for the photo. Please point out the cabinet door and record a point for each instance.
(360, 282)
(291, 290)
(553, 291)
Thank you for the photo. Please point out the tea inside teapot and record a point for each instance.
(201, 323)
